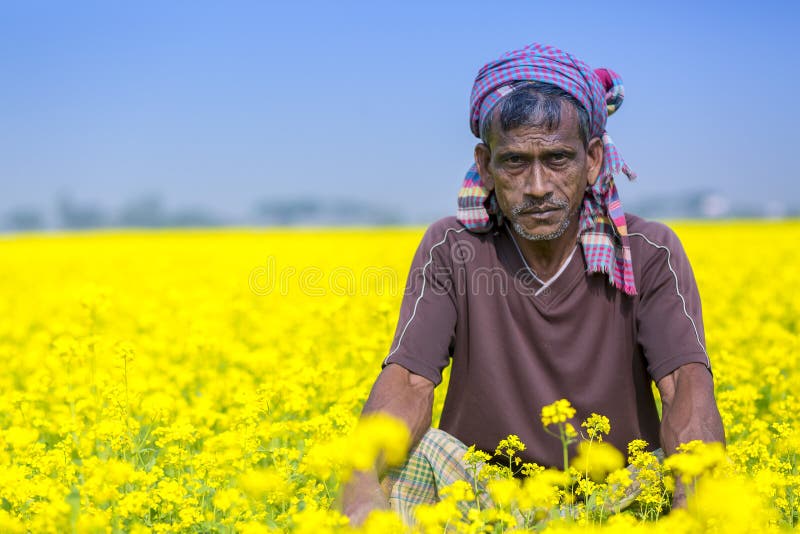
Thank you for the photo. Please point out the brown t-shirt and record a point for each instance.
(517, 345)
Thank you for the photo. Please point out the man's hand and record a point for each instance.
(688, 412)
(361, 495)
(408, 397)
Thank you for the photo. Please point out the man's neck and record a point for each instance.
(548, 256)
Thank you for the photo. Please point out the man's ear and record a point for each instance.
(594, 159)
(482, 157)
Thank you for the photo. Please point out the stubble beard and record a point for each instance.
(555, 234)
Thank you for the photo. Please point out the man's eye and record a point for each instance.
(558, 157)
(514, 160)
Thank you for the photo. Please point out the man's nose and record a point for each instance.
(537, 182)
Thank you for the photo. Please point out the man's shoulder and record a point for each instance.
(447, 238)
(446, 229)
(440, 226)
(649, 234)
(654, 245)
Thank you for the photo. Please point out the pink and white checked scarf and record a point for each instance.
(603, 230)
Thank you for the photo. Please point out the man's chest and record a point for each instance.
(571, 323)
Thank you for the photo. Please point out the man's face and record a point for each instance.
(539, 175)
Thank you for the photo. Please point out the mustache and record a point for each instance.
(543, 204)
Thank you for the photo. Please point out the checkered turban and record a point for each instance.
(603, 230)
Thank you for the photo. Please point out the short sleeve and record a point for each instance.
(669, 316)
(425, 329)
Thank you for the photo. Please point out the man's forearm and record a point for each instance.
(404, 395)
(409, 398)
(689, 412)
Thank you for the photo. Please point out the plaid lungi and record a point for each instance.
(432, 465)
(437, 461)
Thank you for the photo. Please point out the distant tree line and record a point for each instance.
(149, 212)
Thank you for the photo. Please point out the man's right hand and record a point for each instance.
(408, 397)
(362, 495)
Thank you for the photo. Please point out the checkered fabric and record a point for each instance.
(437, 462)
(603, 230)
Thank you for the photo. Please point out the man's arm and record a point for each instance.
(408, 397)
(689, 412)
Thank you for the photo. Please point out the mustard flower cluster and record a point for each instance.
(559, 412)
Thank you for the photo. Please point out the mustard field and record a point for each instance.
(210, 381)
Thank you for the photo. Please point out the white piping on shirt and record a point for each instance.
(422, 291)
(678, 291)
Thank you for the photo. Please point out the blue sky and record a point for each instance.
(221, 104)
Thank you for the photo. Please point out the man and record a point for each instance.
(542, 288)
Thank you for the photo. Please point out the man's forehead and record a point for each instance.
(567, 132)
